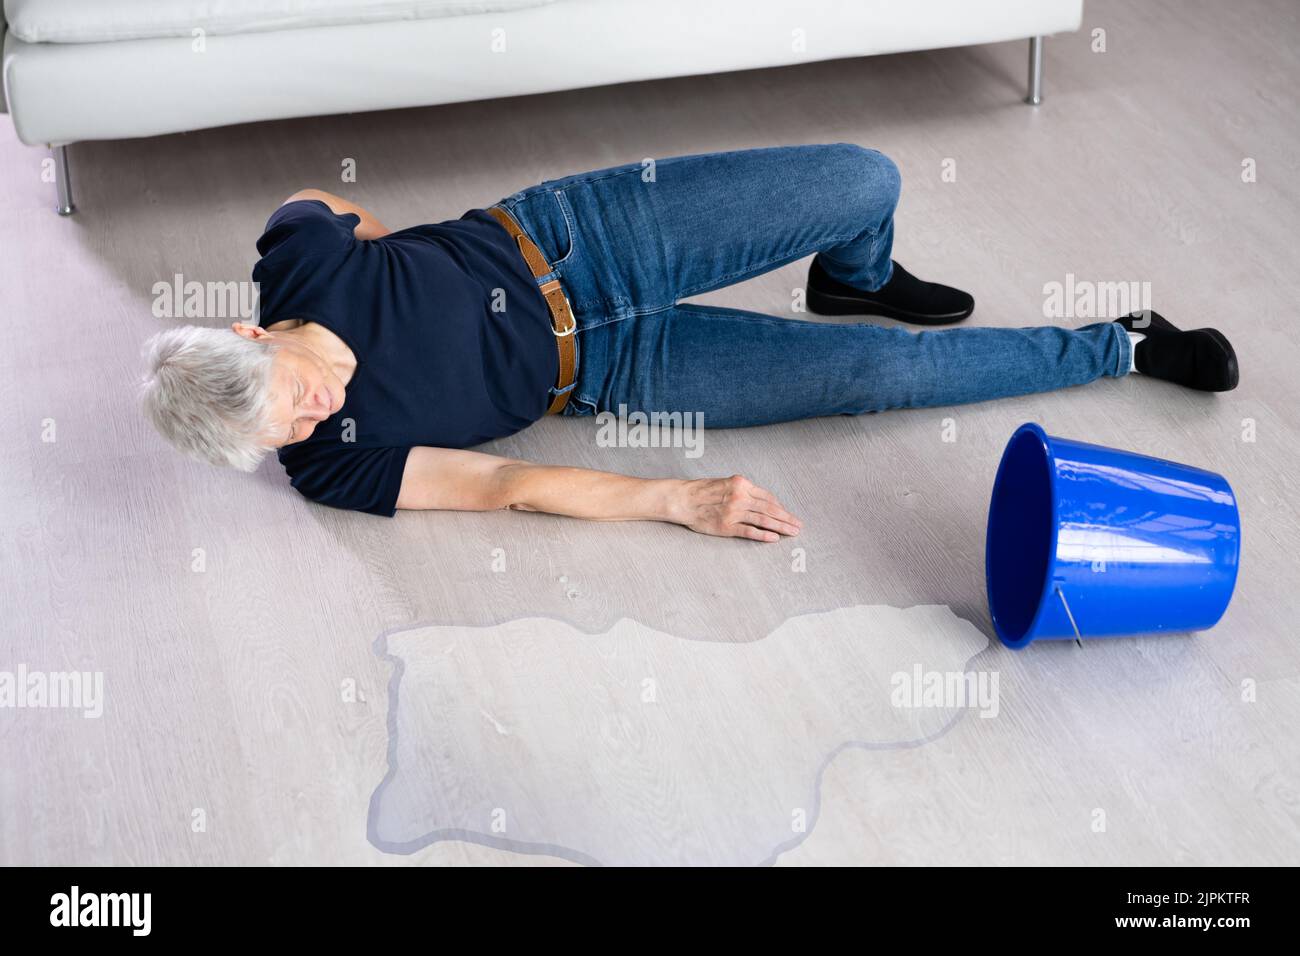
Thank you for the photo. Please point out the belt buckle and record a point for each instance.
(554, 286)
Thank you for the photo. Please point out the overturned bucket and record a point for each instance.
(1087, 541)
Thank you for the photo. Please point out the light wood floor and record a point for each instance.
(230, 690)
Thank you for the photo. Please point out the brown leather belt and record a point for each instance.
(563, 324)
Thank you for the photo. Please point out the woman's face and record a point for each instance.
(304, 391)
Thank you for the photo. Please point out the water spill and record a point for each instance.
(638, 747)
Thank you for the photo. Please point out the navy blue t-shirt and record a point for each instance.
(452, 338)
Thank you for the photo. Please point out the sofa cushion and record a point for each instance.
(94, 21)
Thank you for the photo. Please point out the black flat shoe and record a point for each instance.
(903, 297)
(1202, 359)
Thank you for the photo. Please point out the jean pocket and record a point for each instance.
(544, 214)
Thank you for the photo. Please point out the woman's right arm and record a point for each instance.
(454, 480)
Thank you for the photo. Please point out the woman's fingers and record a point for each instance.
(771, 522)
(757, 534)
(766, 503)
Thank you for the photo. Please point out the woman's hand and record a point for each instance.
(732, 507)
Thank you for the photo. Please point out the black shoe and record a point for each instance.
(903, 297)
(1147, 323)
(1202, 359)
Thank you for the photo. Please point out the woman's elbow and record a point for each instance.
(510, 486)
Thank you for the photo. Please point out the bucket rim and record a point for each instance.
(1049, 459)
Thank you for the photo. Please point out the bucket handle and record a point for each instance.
(1068, 613)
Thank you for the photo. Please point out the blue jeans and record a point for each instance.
(628, 243)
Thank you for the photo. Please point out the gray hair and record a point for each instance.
(206, 392)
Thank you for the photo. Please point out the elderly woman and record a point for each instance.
(380, 356)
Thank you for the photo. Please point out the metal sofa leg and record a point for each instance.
(1035, 71)
(63, 180)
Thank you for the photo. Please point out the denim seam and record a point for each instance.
(1125, 350)
(562, 201)
(635, 167)
(633, 313)
(585, 325)
(875, 242)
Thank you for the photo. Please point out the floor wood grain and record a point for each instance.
(234, 623)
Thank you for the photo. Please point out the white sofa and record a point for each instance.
(110, 69)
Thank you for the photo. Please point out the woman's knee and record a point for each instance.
(871, 179)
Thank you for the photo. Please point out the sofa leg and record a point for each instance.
(63, 180)
(1035, 71)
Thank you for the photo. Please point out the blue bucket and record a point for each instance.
(1090, 541)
